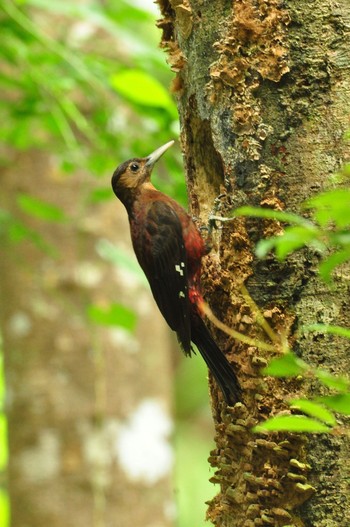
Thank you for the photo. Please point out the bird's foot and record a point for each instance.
(213, 219)
(214, 215)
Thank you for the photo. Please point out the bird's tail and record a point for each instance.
(216, 361)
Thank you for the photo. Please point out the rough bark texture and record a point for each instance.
(263, 90)
(73, 402)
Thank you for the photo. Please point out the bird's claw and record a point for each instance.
(213, 219)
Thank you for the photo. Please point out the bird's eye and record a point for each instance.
(134, 167)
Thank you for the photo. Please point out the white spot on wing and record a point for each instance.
(182, 294)
(178, 269)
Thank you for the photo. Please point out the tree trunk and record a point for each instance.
(263, 90)
(81, 447)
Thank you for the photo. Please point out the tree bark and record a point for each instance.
(81, 398)
(263, 89)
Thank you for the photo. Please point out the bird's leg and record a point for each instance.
(214, 217)
(207, 230)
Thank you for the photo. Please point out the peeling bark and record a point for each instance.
(263, 89)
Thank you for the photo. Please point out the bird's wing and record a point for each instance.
(163, 259)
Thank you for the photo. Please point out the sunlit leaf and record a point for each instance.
(16, 232)
(292, 423)
(39, 208)
(339, 237)
(331, 206)
(302, 233)
(331, 381)
(4, 509)
(314, 409)
(140, 88)
(3, 442)
(100, 194)
(287, 365)
(263, 247)
(287, 217)
(292, 239)
(329, 264)
(113, 315)
(339, 403)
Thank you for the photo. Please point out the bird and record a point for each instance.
(169, 248)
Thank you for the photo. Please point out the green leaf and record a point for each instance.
(100, 194)
(331, 381)
(4, 508)
(339, 403)
(3, 442)
(40, 209)
(263, 247)
(326, 328)
(294, 238)
(140, 88)
(113, 315)
(287, 217)
(328, 265)
(314, 409)
(287, 365)
(339, 238)
(292, 423)
(331, 206)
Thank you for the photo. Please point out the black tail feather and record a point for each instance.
(216, 361)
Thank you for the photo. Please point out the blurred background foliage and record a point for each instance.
(87, 82)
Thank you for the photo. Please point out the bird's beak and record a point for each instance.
(153, 158)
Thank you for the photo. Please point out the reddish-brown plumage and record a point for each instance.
(169, 248)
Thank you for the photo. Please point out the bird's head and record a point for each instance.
(132, 174)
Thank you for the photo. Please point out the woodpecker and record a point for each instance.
(169, 248)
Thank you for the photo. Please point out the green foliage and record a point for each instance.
(328, 233)
(93, 101)
(288, 365)
(314, 409)
(292, 423)
(4, 509)
(331, 381)
(14, 230)
(40, 209)
(339, 403)
(3, 442)
(140, 88)
(113, 315)
(331, 208)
